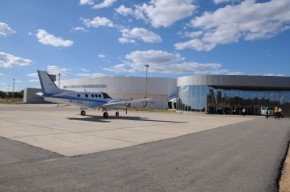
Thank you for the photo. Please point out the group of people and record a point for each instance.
(277, 112)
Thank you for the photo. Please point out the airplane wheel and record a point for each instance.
(117, 113)
(83, 113)
(105, 114)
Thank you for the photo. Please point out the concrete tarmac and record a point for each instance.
(64, 131)
(199, 153)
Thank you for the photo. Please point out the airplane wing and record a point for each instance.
(126, 102)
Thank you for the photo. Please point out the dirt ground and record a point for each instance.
(11, 101)
(285, 179)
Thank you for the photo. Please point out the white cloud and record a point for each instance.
(247, 21)
(98, 22)
(84, 70)
(86, 2)
(5, 29)
(34, 80)
(48, 39)
(195, 44)
(122, 10)
(163, 13)
(102, 56)
(33, 75)
(221, 1)
(104, 4)
(225, 1)
(7, 61)
(53, 69)
(79, 29)
(125, 40)
(153, 57)
(139, 33)
(164, 62)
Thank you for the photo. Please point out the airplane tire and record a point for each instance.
(83, 113)
(117, 114)
(105, 114)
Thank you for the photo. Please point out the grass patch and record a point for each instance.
(11, 101)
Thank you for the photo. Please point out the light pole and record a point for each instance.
(59, 80)
(145, 103)
(13, 89)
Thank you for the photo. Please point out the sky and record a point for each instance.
(92, 38)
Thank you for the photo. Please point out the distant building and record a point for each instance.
(30, 96)
(214, 94)
(228, 94)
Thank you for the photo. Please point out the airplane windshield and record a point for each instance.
(106, 96)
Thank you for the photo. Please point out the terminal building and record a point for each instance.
(228, 94)
(212, 94)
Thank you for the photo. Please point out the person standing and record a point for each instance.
(267, 112)
(276, 111)
(279, 112)
(244, 111)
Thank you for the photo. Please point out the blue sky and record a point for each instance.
(89, 38)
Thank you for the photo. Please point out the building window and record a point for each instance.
(230, 101)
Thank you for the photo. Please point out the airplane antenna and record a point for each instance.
(146, 80)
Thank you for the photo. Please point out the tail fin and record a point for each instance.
(47, 85)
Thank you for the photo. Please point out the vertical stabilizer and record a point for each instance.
(47, 85)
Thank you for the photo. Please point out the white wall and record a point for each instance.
(159, 89)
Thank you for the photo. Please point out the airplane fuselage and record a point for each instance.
(84, 99)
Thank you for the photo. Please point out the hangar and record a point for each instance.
(161, 90)
(228, 94)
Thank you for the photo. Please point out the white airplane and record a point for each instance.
(85, 100)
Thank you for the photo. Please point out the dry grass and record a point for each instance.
(285, 179)
(11, 101)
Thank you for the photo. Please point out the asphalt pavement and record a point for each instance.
(240, 157)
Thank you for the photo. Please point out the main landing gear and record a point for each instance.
(83, 113)
(105, 113)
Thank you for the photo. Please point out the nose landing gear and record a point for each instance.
(105, 114)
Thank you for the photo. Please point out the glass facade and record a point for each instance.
(216, 100)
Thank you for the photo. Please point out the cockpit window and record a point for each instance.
(106, 96)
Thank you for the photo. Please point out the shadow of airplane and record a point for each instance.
(96, 118)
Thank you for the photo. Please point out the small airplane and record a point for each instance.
(85, 100)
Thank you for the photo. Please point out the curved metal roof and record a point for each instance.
(237, 81)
